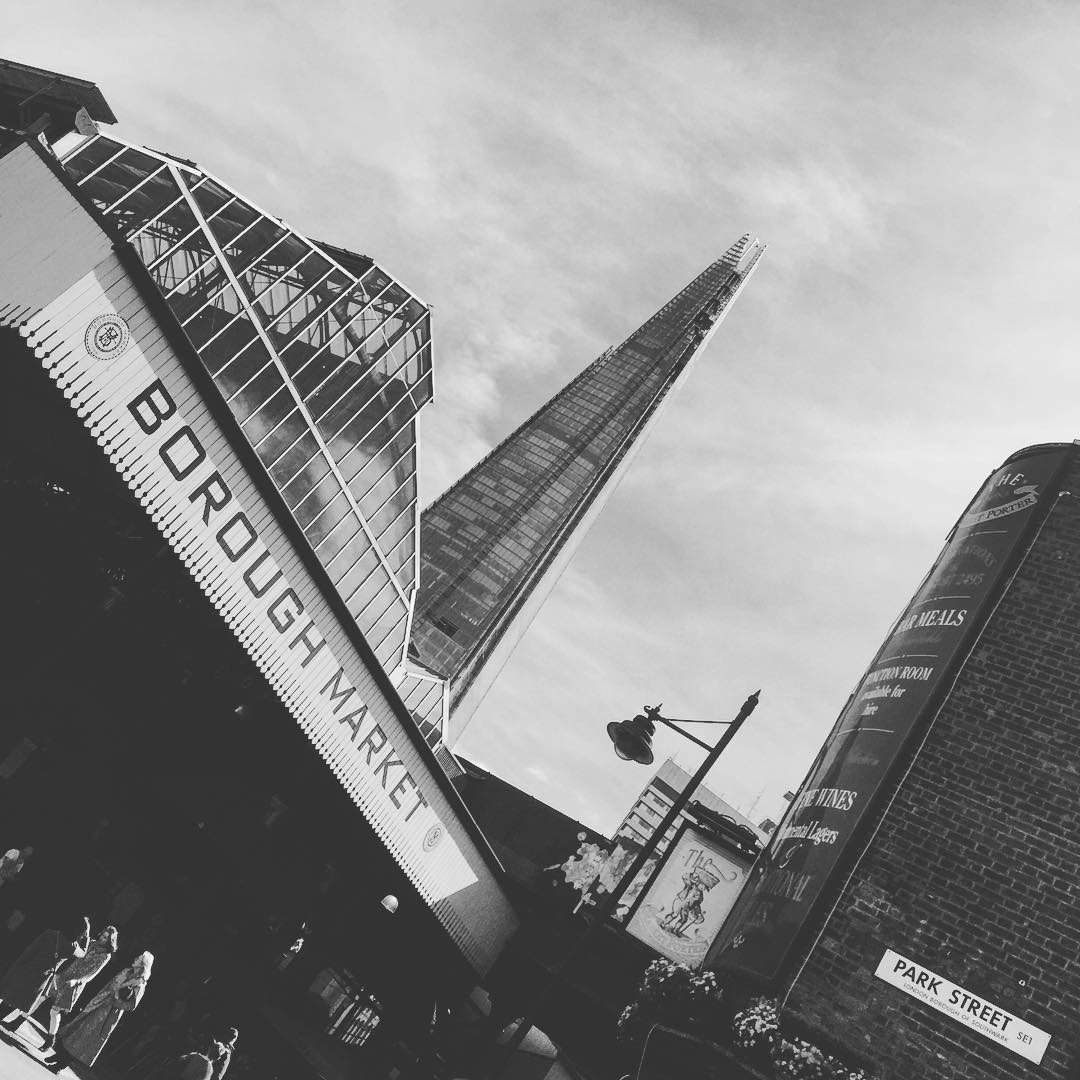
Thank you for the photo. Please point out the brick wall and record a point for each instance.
(974, 870)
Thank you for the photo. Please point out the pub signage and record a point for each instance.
(892, 704)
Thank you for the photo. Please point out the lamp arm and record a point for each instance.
(680, 720)
(685, 734)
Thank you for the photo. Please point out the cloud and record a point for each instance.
(547, 175)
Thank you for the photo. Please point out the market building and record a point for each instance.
(917, 905)
(209, 467)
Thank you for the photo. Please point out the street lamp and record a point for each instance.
(632, 740)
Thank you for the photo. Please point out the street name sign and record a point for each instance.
(963, 1006)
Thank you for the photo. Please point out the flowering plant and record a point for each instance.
(797, 1059)
(758, 1025)
(628, 1026)
(670, 993)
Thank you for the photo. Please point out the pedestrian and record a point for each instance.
(26, 979)
(197, 1064)
(64, 988)
(12, 863)
(83, 1037)
(225, 1047)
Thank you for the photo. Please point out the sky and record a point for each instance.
(546, 175)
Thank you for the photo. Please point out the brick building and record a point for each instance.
(936, 935)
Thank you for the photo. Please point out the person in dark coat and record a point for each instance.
(224, 1052)
(84, 1036)
(197, 1064)
(25, 980)
(68, 983)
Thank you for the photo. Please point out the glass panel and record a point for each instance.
(368, 581)
(300, 486)
(400, 527)
(396, 470)
(423, 392)
(370, 611)
(140, 206)
(257, 241)
(211, 196)
(388, 637)
(263, 273)
(263, 422)
(400, 483)
(349, 420)
(314, 505)
(176, 224)
(413, 692)
(198, 289)
(295, 459)
(336, 392)
(375, 387)
(373, 466)
(401, 557)
(326, 298)
(282, 438)
(119, 177)
(430, 701)
(363, 568)
(211, 321)
(241, 370)
(311, 374)
(255, 394)
(337, 509)
(90, 157)
(271, 302)
(384, 517)
(239, 336)
(337, 541)
(178, 268)
(236, 217)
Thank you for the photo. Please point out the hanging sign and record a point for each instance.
(687, 900)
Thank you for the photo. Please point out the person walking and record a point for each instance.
(197, 1064)
(37, 964)
(12, 863)
(84, 1036)
(225, 1047)
(64, 988)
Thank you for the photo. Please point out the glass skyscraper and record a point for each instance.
(494, 544)
(323, 358)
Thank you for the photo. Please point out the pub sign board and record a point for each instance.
(891, 705)
(971, 1010)
(685, 903)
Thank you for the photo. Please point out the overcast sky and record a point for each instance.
(547, 174)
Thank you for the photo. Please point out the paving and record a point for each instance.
(20, 1060)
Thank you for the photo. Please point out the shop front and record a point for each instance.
(202, 748)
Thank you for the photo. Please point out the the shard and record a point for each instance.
(494, 544)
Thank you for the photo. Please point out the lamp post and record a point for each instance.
(632, 740)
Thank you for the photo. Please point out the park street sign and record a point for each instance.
(963, 1006)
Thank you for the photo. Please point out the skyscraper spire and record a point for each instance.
(494, 544)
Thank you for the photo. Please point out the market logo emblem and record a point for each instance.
(434, 835)
(107, 337)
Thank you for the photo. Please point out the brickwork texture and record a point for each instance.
(974, 869)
